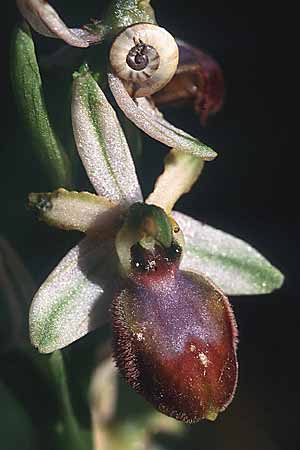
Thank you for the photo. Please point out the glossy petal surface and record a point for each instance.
(74, 298)
(175, 343)
(235, 266)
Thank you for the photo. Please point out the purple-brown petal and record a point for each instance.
(198, 80)
(175, 342)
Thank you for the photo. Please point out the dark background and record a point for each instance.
(250, 191)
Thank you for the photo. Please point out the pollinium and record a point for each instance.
(174, 331)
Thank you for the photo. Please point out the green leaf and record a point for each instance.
(233, 265)
(27, 85)
(149, 119)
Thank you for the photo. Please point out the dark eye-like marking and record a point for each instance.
(173, 252)
(141, 260)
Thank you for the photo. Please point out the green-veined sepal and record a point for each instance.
(232, 264)
(75, 297)
(101, 143)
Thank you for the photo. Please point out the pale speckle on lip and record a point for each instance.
(204, 359)
(140, 336)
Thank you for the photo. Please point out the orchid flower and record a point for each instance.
(158, 273)
(133, 85)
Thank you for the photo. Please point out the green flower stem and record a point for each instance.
(27, 85)
(52, 368)
(58, 377)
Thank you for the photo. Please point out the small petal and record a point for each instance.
(45, 20)
(74, 298)
(80, 211)
(101, 143)
(147, 118)
(181, 172)
(236, 267)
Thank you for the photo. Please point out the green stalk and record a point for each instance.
(68, 426)
(66, 433)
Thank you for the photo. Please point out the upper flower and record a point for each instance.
(143, 59)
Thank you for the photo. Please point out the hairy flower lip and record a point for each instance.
(158, 351)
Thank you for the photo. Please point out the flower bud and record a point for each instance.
(174, 333)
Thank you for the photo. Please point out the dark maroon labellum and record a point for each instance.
(198, 79)
(175, 337)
